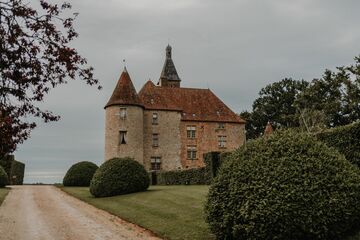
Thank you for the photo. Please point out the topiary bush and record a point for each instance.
(80, 174)
(3, 177)
(346, 139)
(119, 176)
(285, 186)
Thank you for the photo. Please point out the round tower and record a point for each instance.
(124, 122)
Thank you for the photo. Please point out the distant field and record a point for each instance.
(3, 193)
(173, 212)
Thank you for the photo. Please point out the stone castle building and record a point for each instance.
(167, 127)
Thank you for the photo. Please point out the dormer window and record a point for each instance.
(122, 138)
(122, 113)
(155, 118)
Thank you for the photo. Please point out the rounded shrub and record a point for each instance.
(80, 174)
(3, 177)
(285, 186)
(119, 176)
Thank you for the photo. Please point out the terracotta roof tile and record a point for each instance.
(124, 92)
(195, 104)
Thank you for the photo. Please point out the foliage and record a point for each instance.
(35, 57)
(17, 173)
(330, 101)
(335, 94)
(274, 104)
(171, 212)
(119, 176)
(80, 174)
(6, 163)
(3, 177)
(346, 139)
(188, 177)
(285, 186)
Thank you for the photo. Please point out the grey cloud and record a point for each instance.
(233, 47)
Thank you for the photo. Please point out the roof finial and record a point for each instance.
(124, 61)
(168, 51)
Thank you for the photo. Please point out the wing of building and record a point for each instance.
(167, 127)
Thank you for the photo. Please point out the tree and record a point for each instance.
(35, 56)
(274, 104)
(336, 94)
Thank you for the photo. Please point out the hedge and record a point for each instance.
(204, 175)
(188, 177)
(119, 176)
(17, 173)
(3, 178)
(6, 163)
(14, 170)
(80, 174)
(346, 139)
(285, 186)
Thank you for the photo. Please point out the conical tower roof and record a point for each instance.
(124, 92)
(268, 129)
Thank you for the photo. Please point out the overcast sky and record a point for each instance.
(233, 47)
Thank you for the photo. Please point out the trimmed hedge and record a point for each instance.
(119, 176)
(3, 177)
(6, 163)
(188, 177)
(346, 139)
(285, 186)
(17, 173)
(80, 174)
(14, 169)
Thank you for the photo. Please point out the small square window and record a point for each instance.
(222, 141)
(191, 131)
(155, 163)
(221, 126)
(155, 140)
(191, 152)
(122, 138)
(122, 113)
(155, 118)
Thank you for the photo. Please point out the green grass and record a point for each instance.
(173, 212)
(3, 193)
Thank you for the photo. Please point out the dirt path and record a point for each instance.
(47, 213)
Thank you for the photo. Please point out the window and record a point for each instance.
(155, 140)
(122, 139)
(191, 152)
(122, 113)
(191, 131)
(221, 126)
(155, 163)
(222, 141)
(155, 118)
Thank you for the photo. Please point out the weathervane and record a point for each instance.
(124, 61)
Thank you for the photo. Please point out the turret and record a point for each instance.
(124, 115)
(169, 76)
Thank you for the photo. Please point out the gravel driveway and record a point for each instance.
(47, 213)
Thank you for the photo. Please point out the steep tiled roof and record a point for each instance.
(195, 104)
(124, 92)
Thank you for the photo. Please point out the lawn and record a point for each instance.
(3, 193)
(172, 212)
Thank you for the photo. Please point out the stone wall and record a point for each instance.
(168, 149)
(133, 124)
(206, 140)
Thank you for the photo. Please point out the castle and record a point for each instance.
(167, 127)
